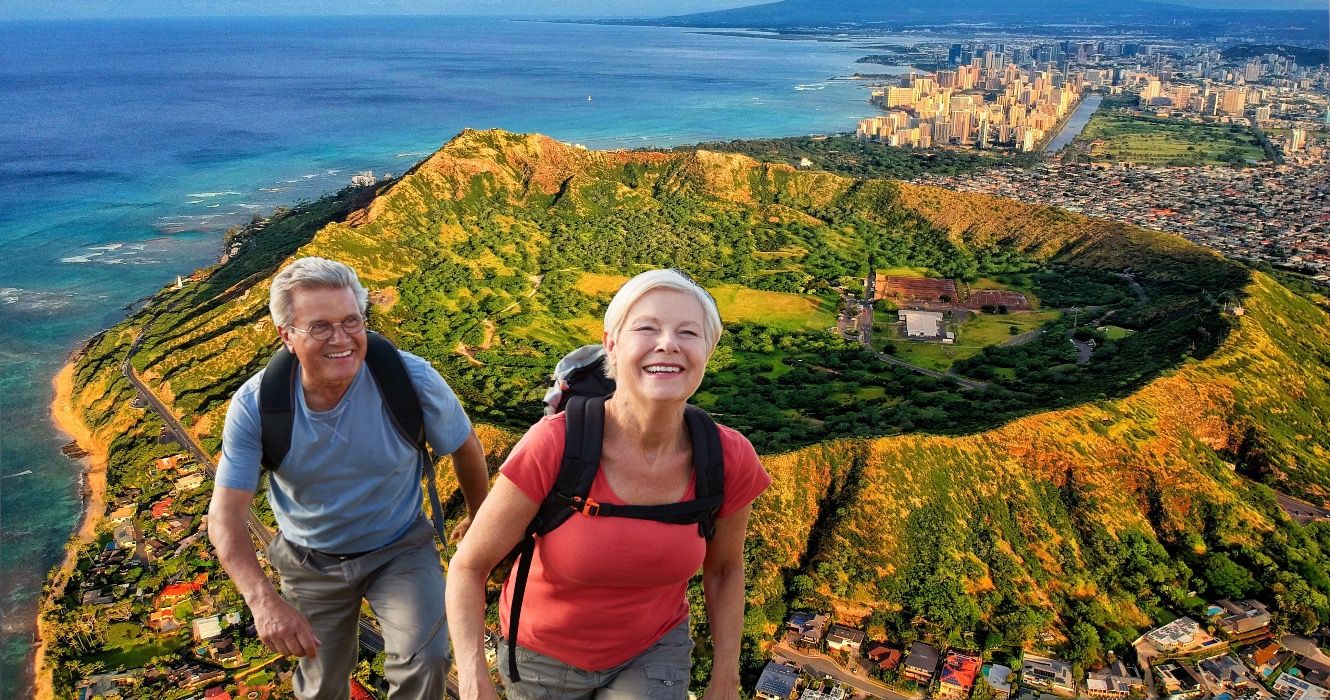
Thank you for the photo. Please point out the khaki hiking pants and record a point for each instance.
(659, 673)
(403, 583)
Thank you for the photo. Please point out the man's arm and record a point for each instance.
(281, 627)
(473, 477)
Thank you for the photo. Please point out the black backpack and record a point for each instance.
(580, 391)
(277, 398)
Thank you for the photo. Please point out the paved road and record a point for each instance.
(1135, 286)
(1021, 339)
(1083, 352)
(370, 637)
(818, 664)
(1300, 510)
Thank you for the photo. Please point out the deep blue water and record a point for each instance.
(126, 147)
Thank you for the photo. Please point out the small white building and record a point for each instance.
(922, 324)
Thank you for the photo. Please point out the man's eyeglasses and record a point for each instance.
(322, 330)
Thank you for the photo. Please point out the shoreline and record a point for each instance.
(66, 419)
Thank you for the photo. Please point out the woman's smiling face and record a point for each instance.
(661, 351)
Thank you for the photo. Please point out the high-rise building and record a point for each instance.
(1152, 89)
(901, 96)
(1233, 101)
(1297, 139)
(941, 132)
(962, 126)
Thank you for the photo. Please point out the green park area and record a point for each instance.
(129, 645)
(1120, 137)
(972, 336)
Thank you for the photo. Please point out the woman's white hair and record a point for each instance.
(637, 287)
(311, 273)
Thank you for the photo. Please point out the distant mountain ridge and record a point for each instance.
(813, 13)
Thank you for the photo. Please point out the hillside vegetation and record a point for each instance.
(1085, 501)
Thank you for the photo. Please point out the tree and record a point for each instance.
(1226, 577)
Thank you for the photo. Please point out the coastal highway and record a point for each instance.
(370, 638)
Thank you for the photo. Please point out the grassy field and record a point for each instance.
(971, 336)
(1117, 332)
(775, 309)
(740, 304)
(902, 271)
(594, 284)
(990, 329)
(129, 645)
(1156, 141)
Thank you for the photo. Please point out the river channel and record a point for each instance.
(1076, 123)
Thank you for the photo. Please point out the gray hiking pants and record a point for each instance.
(403, 583)
(659, 673)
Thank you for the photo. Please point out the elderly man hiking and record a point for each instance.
(339, 418)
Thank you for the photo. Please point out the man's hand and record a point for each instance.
(717, 690)
(484, 690)
(283, 629)
(459, 530)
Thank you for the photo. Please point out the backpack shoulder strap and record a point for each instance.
(386, 364)
(584, 431)
(276, 415)
(708, 465)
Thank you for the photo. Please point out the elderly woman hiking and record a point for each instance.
(606, 612)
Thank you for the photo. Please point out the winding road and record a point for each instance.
(819, 664)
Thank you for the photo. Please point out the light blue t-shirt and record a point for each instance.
(350, 482)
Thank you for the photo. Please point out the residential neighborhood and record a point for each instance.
(154, 613)
(1273, 214)
(1233, 654)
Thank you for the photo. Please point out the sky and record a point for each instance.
(55, 9)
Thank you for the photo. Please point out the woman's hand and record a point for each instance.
(497, 528)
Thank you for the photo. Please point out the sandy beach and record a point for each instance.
(67, 420)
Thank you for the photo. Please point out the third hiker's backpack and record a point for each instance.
(580, 389)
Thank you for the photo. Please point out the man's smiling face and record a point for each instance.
(332, 362)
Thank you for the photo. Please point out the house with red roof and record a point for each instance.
(360, 692)
(162, 508)
(958, 674)
(884, 656)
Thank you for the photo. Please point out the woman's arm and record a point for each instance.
(723, 584)
(499, 525)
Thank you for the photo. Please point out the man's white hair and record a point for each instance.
(311, 273)
(635, 288)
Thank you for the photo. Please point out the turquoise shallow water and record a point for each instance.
(126, 147)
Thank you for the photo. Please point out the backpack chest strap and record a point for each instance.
(701, 511)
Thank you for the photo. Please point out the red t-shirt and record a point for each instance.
(603, 590)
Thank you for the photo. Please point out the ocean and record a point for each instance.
(128, 147)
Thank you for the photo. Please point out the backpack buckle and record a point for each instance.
(586, 506)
